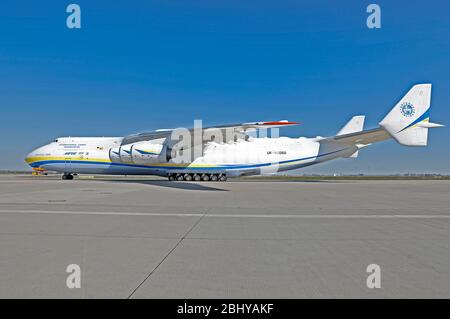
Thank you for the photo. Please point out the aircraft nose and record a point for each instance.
(29, 158)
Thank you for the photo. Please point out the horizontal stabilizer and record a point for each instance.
(362, 138)
(354, 155)
(429, 125)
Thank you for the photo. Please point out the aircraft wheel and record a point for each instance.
(223, 178)
(188, 177)
(64, 177)
(180, 178)
(197, 178)
(205, 177)
(214, 178)
(171, 177)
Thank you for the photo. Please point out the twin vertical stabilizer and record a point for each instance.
(408, 122)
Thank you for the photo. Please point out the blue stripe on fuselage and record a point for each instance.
(230, 166)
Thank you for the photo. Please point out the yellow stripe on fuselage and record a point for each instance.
(31, 160)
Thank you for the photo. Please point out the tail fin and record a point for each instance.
(355, 124)
(408, 122)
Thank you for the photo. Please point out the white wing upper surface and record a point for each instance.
(227, 131)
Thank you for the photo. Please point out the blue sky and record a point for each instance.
(138, 65)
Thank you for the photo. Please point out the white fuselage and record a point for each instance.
(155, 153)
(91, 155)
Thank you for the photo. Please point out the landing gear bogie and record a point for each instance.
(197, 177)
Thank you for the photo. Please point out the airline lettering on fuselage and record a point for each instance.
(72, 145)
(277, 152)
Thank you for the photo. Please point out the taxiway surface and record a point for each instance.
(151, 238)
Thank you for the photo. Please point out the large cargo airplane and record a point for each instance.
(224, 155)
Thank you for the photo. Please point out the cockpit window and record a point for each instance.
(56, 141)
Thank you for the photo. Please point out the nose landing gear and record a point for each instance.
(67, 176)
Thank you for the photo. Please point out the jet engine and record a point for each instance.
(139, 153)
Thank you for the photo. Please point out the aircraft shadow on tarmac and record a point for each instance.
(176, 185)
(287, 181)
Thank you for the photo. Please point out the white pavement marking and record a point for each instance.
(309, 216)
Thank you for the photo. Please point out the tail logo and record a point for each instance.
(407, 109)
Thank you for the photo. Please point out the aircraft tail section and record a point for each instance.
(356, 124)
(408, 122)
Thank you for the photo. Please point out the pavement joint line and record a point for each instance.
(306, 238)
(272, 216)
(168, 254)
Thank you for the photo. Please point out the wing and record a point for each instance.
(227, 131)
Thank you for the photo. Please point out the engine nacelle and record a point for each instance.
(138, 153)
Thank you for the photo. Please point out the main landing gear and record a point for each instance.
(198, 177)
(67, 176)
